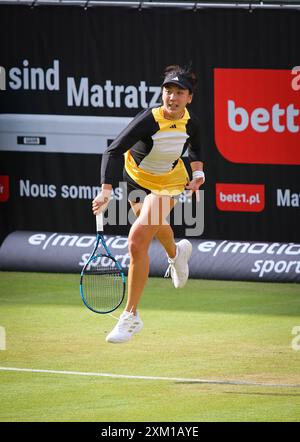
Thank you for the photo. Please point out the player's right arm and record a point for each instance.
(101, 201)
(135, 130)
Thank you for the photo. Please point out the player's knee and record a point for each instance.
(136, 248)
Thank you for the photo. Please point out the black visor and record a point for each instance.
(179, 80)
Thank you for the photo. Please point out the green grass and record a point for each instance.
(209, 330)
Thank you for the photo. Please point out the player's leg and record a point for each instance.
(164, 234)
(178, 253)
(151, 219)
(152, 215)
(139, 241)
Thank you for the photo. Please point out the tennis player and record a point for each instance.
(153, 144)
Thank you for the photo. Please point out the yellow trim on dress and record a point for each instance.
(164, 124)
(171, 183)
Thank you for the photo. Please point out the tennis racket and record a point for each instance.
(102, 280)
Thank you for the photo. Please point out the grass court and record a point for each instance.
(213, 351)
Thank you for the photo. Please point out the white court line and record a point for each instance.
(151, 378)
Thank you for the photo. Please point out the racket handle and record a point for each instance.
(99, 222)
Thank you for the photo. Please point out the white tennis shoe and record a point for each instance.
(128, 324)
(178, 266)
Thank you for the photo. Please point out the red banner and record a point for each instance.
(257, 116)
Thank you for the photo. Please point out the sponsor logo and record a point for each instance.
(257, 116)
(276, 258)
(80, 91)
(287, 198)
(240, 197)
(4, 188)
(45, 240)
(48, 242)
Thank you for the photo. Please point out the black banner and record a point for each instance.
(211, 259)
(71, 79)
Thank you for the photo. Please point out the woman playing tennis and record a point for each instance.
(153, 144)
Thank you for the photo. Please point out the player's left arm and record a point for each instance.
(198, 176)
(195, 157)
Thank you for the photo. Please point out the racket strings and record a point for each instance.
(103, 286)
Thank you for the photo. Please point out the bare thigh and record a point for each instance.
(137, 207)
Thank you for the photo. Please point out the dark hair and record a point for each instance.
(185, 71)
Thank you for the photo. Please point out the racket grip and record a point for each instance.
(99, 222)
